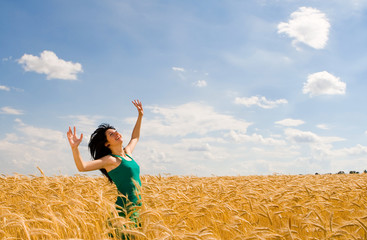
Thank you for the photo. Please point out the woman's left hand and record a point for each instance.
(138, 106)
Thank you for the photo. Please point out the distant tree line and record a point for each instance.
(342, 172)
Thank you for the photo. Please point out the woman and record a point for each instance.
(114, 161)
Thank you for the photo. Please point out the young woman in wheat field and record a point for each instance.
(114, 161)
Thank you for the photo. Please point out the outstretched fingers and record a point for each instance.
(73, 139)
(138, 105)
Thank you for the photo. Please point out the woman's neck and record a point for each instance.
(118, 151)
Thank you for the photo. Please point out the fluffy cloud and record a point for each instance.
(259, 101)
(40, 134)
(190, 118)
(352, 151)
(180, 156)
(289, 122)
(30, 146)
(85, 123)
(178, 69)
(307, 25)
(323, 83)
(299, 136)
(200, 83)
(10, 111)
(48, 63)
(178, 139)
(255, 138)
(4, 88)
(322, 126)
(200, 147)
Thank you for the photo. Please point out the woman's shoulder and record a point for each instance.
(109, 162)
(108, 159)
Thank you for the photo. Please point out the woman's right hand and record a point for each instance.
(74, 141)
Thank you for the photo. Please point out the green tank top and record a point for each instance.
(124, 177)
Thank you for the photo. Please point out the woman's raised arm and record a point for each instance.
(82, 166)
(136, 132)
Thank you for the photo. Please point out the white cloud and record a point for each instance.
(299, 136)
(352, 151)
(289, 122)
(4, 88)
(189, 118)
(48, 63)
(19, 121)
(85, 123)
(323, 83)
(255, 138)
(178, 69)
(155, 156)
(201, 144)
(200, 83)
(307, 25)
(31, 146)
(200, 147)
(40, 134)
(323, 126)
(181, 73)
(180, 156)
(10, 111)
(259, 101)
(178, 139)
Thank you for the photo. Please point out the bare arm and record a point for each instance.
(82, 166)
(136, 132)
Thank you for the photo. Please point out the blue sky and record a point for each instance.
(228, 87)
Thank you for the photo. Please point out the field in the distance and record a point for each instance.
(177, 207)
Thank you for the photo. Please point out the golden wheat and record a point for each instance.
(187, 207)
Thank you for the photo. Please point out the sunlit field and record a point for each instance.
(187, 207)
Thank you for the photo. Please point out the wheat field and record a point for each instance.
(187, 207)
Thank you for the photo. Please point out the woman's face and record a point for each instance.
(113, 137)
